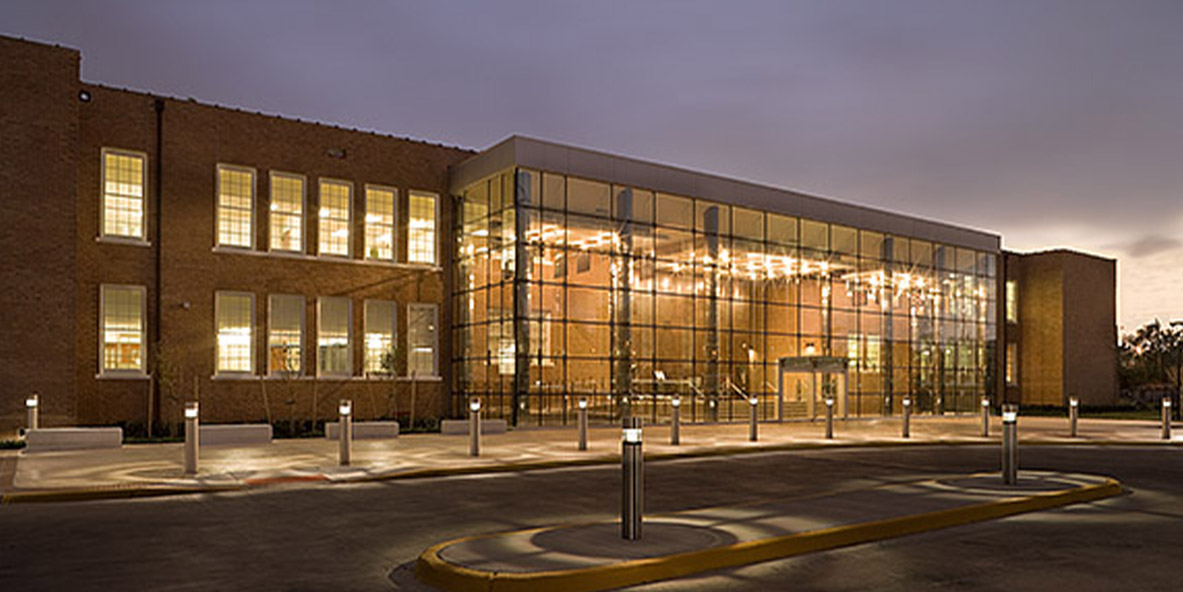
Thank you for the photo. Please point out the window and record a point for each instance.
(332, 337)
(334, 217)
(380, 223)
(236, 207)
(287, 212)
(123, 193)
(285, 335)
(380, 330)
(122, 330)
(1012, 301)
(421, 228)
(1012, 352)
(235, 312)
(421, 340)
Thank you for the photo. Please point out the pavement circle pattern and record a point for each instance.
(589, 557)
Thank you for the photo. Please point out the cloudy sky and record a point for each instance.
(1057, 123)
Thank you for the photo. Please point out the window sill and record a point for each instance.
(298, 256)
(421, 379)
(123, 240)
(235, 376)
(122, 376)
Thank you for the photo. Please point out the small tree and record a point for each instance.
(392, 358)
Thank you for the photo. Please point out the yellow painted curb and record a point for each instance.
(433, 570)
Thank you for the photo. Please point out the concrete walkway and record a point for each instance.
(588, 557)
(155, 469)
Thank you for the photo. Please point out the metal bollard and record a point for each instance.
(753, 425)
(474, 427)
(1073, 413)
(676, 421)
(1010, 444)
(33, 410)
(583, 423)
(345, 433)
(907, 417)
(1166, 418)
(985, 417)
(191, 436)
(829, 418)
(632, 462)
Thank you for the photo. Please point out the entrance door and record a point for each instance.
(804, 383)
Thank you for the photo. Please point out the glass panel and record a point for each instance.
(815, 235)
(588, 197)
(748, 223)
(287, 212)
(674, 211)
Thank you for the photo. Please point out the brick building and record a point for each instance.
(160, 250)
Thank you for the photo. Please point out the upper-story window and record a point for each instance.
(380, 222)
(236, 206)
(122, 314)
(334, 217)
(421, 238)
(124, 180)
(1012, 301)
(287, 212)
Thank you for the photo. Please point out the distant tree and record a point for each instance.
(1151, 359)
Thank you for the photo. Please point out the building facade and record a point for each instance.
(161, 250)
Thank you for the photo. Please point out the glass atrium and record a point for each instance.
(569, 287)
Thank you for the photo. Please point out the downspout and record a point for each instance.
(158, 172)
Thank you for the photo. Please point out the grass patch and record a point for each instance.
(12, 444)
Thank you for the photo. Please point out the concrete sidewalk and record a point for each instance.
(588, 557)
(156, 469)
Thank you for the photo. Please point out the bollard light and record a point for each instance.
(675, 421)
(474, 405)
(33, 411)
(632, 461)
(1166, 418)
(192, 435)
(1010, 444)
(753, 425)
(985, 417)
(907, 428)
(829, 418)
(345, 433)
(1010, 416)
(1073, 413)
(474, 427)
(583, 423)
(676, 401)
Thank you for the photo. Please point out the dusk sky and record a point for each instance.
(1053, 123)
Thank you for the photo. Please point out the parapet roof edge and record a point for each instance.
(594, 164)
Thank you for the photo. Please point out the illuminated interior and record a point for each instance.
(570, 287)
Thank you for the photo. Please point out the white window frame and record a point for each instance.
(435, 231)
(218, 205)
(254, 335)
(143, 156)
(349, 342)
(271, 212)
(303, 333)
(320, 183)
(393, 223)
(102, 330)
(366, 332)
(435, 347)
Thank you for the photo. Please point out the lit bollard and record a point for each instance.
(829, 418)
(985, 417)
(1166, 418)
(632, 461)
(474, 427)
(33, 410)
(583, 423)
(907, 417)
(676, 421)
(345, 434)
(1010, 444)
(191, 438)
(1073, 413)
(753, 425)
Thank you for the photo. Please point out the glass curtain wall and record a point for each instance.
(569, 288)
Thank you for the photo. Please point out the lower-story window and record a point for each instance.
(235, 313)
(332, 337)
(285, 331)
(122, 330)
(380, 329)
(421, 339)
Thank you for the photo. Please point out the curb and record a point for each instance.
(431, 569)
(160, 490)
